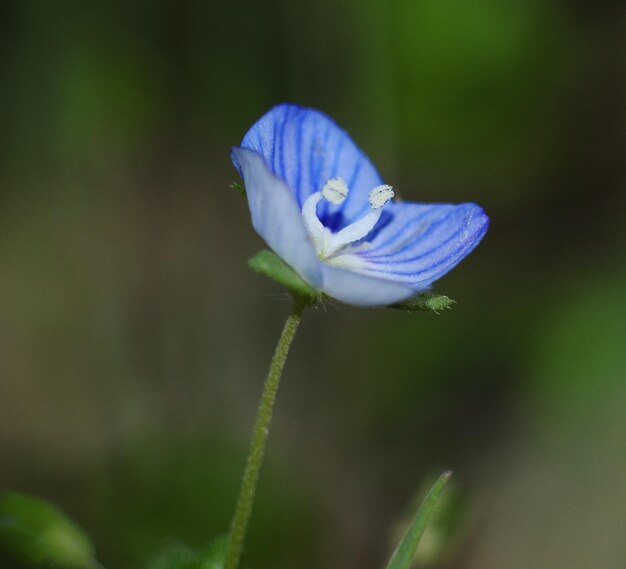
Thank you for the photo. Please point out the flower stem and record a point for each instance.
(243, 511)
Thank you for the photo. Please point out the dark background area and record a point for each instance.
(134, 339)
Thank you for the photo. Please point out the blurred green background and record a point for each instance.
(134, 339)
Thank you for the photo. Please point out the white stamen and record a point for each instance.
(335, 190)
(380, 195)
(333, 247)
(355, 231)
(316, 229)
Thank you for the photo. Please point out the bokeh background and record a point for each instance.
(134, 339)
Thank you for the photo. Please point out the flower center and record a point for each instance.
(330, 246)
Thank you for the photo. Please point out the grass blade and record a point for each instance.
(404, 553)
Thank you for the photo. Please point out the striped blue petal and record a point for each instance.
(421, 242)
(363, 290)
(276, 215)
(305, 148)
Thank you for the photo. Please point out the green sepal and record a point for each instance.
(402, 557)
(425, 302)
(37, 534)
(239, 187)
(271, 265)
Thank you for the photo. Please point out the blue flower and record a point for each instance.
(320, 204)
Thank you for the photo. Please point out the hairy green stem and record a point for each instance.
(243, 511)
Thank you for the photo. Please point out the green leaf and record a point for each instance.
(174, 556)
(271, 265)
(214, 555)
(425, 302)
(38, 534)
(403, 555)
(180, 556)
(239, 187)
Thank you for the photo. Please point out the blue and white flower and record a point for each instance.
(320, 204)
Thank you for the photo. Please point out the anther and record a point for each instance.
(335, 190)
(380, 195)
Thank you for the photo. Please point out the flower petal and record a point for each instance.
(423, 242)
(276, 215)
(306, 148)
(362, 290)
